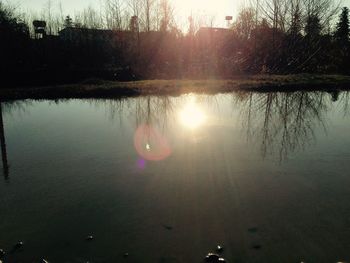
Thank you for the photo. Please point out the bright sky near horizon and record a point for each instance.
(217, 8)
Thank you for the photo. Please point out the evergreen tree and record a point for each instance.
(343, 32)
(313, 27)
(68, 22)
(342, 42)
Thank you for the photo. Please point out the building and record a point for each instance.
(76, 34)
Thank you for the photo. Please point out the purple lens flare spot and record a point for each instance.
(141, 163)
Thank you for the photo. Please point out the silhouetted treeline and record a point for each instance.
(272, 36)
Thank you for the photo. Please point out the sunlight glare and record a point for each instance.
(185, 7)
(192, 116)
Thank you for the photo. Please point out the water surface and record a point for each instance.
(166, 179)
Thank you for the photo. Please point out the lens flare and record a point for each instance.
(141, 164)
(150, 144)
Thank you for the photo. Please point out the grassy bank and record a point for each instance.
(105, 89)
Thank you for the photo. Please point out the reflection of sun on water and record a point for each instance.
(192, 116)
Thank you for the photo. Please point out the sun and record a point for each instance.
(191, 115)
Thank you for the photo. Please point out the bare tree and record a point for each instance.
(114, 18)
(245, 23)
(89, 18)
(166, 15)
(48, 11)
(148, 7)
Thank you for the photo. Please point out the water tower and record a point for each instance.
(228, 19)
(39, 29)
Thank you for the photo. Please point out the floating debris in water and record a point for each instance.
(257, 247)
(126, 255)
(44, 261)
(2, 252)
(219, 248)
(211, 257)
(18, 245)
(89, 238)
(168, 227)
(214, 258)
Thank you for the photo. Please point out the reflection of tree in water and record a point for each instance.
(19, 107)
(159, 111)
(284, 122)
(345, 102)
(154, 111)
(9, 108)
(150, 110)
(5, 166)
(151, 114)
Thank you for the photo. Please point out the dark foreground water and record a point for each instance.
(167, 179)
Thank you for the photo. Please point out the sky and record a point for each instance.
(217, 8)
(211, 6)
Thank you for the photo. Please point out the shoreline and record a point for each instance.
(112, 89)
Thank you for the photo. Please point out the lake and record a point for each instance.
(167, 179)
